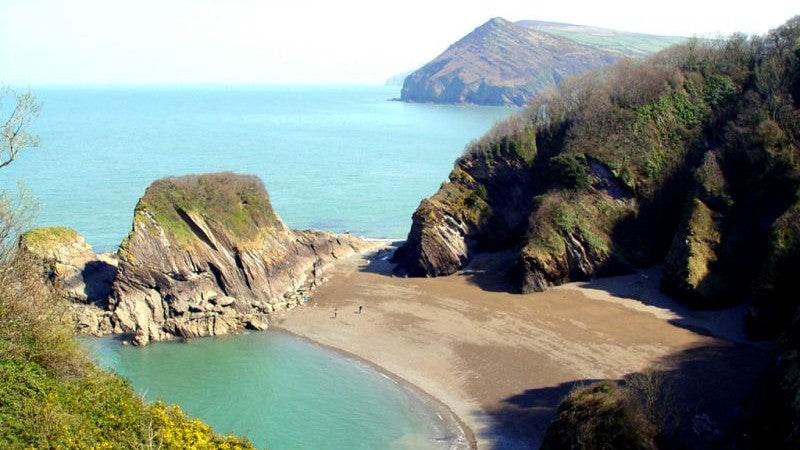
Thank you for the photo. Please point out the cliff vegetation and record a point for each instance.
(689, 159)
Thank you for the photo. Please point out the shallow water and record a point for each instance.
(282, 392)
(332, 157)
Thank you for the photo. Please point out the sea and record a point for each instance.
(338, 158)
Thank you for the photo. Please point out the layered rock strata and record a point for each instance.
(206, 256)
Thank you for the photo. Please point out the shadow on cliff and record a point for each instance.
(98, 277)
(700, 395)
(378, 261)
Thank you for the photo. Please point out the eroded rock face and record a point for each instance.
(484, 203)
(81, 276)
(207, 256)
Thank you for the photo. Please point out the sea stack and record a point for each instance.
(207, 255)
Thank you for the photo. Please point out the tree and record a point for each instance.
(16, 211)
(15, 134)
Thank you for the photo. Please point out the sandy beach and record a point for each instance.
(501, 362)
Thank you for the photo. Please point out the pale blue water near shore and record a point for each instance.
(281, 392)
(340, 158)
(336, 158)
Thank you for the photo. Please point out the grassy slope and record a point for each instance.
(628, 44)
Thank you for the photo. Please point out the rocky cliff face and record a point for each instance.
(207, 255)
(480, 208)
(673, 160)
(501, 63)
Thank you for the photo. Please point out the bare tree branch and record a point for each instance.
(14, 134)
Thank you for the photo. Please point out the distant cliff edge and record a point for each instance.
(505, 63)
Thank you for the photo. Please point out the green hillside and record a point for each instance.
(622, 42)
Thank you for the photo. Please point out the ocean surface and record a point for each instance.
(333, 158)
(339, 158)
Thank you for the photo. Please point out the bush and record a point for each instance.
(568, 170)
(599, 416)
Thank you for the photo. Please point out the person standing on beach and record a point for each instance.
(360, 308)
(335, 310)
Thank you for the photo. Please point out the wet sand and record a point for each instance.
(501, 362)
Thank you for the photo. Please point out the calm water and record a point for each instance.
(335, 158)
(280, 391)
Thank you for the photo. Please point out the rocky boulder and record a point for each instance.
(207, 255)
(81, 276)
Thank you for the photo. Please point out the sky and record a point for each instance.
(304, 41)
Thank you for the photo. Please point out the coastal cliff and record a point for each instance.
(207, 255)
(687, 159)
(500, 63)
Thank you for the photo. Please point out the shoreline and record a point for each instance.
(500, 363)
(493, 366)
(430, 400)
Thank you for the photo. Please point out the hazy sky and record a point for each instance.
(304, 41)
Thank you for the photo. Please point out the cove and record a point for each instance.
(282, 392)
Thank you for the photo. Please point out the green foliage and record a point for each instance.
(41, 241)
(583, 215)
(718, 89)
(95, 410)
(238, 204)
(52, 396)
(465, 198)
(599, 416)
(568, 170)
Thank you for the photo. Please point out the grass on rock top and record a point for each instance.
(41, 240)
(239, 204)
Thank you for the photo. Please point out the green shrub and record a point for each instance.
(568, 170)
(52, 396)
(599, 416)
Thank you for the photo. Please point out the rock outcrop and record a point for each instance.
(501, 63)
(482, 206)
(207, 256)
(81, 276)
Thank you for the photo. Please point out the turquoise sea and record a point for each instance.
(339, 158)
(332, 157)
(282, 392)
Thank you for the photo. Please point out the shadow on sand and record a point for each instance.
(701, 396)
(487, 271)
